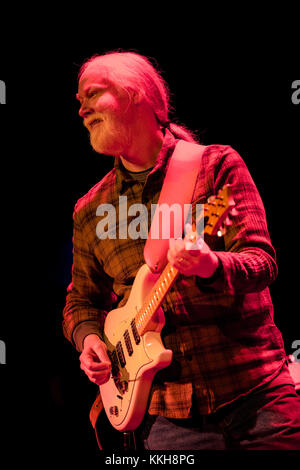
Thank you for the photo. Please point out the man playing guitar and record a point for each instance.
(218, 366)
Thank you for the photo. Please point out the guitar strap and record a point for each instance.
(176, 192)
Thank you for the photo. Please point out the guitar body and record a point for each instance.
(125, 395)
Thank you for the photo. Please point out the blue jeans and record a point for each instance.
(266, 419)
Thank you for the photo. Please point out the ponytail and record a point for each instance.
(181, 132)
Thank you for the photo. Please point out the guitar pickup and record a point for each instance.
(135, 333)
(120, 353)
(128, 342)
(114, 363)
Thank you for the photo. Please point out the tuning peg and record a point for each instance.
(228, 222)
(221, 232)
(233, 211)
(212, 200)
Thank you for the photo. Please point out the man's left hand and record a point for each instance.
(201, 261)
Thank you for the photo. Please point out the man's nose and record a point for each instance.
(84, 110)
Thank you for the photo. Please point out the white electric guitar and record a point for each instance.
(132, 333)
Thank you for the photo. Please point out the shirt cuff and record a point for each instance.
(208, 281)
(84, 329)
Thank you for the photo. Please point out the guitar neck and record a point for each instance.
(154, 299)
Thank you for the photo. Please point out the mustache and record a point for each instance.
(92, 120)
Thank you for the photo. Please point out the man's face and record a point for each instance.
(107, 112)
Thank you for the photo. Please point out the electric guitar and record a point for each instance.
(132, 333)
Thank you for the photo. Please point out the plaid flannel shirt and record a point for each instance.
(221, 331)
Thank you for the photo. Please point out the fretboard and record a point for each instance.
(155, 298)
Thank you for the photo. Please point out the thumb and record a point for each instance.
(101, 351)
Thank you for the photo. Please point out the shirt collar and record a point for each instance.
(169, 142)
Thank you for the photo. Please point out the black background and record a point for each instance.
(228, 96)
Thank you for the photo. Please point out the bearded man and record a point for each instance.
(228, 385)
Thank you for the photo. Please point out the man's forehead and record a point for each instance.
(94, 73)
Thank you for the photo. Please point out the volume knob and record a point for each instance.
(113, 410)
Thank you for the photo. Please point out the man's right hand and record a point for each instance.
(94, 360)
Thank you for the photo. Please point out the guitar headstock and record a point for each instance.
(217, 211)
(214, 218)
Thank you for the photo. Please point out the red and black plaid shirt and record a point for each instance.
(222, 333)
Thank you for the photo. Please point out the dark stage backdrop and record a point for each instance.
(49, 165)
